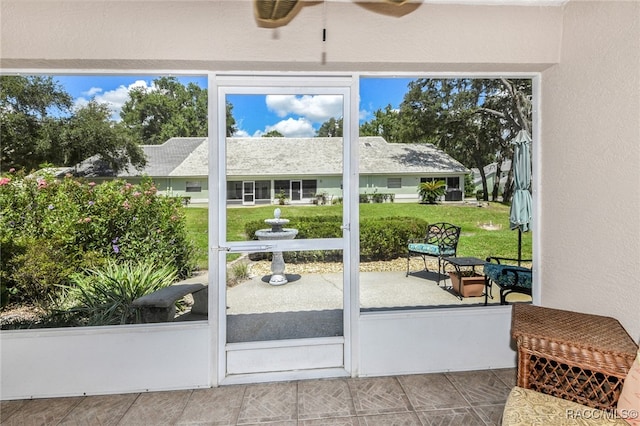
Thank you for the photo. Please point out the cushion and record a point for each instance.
(496, 273)
(526, 407)
(431, 249)
(629, 401)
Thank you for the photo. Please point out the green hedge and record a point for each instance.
(380, 239)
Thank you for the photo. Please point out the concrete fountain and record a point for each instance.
(277, 232)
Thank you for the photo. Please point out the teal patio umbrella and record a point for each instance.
(521, 204)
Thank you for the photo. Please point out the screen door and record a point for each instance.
(284, 287)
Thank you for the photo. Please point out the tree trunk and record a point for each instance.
(483, 177)
(508, 187)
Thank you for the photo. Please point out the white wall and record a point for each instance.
(223, 35)
(590, 177)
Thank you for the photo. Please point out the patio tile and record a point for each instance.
(100, 410)
(319, 399)
(460, 398)
(333, 421)
(157, 408)
(378, 395)
(214, 406)
(431, 391)
(452, 417)
(271, 402)
(480, 387)
(507, 375)
(7, 408)
(490, 414)
(47, 411)
(395, 419)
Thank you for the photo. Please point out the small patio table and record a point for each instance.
(465, 262)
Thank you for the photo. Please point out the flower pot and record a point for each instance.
(467, 285)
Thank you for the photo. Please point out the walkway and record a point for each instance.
(461, 398)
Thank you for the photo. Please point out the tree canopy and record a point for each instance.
(473, 120)
(38, 126)
(273, 134)
(89, 132)
(27, 130)
(167, 109)
(330, 128)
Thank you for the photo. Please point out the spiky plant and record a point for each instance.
(103, 296)
(432, 190)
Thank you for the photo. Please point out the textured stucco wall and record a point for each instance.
(212, 35)
(590, 177)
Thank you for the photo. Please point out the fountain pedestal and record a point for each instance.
(277, 269)
(277, 232)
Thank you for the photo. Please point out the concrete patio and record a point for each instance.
(311, 304)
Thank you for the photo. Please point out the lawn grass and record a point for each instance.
(474, 240)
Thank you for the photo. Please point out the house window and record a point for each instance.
(429, 179)
(453, 182)
(194, 186)
(309, 188)
(394, 183)
(282, 186)
(263, 189)
(234, 190)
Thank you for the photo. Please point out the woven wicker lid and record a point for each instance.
(595, 332)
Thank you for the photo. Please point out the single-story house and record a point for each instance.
(303, 170)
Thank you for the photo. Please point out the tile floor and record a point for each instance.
(460, 398)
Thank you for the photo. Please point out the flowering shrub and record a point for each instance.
(51, 228)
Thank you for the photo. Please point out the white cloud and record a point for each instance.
(293, 128)
(115, 98)
(241, 134)
(317, 109)
(91, 92)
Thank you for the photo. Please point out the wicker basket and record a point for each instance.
(573, 356)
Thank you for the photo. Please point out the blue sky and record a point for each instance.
(293, 116)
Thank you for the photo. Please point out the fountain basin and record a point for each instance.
(283, 234)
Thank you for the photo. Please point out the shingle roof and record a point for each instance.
(323, 156)
(163, 159)
(293, 156)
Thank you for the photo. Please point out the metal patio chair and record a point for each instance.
(440, 241)
(508, 277)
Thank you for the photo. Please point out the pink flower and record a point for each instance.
(136, 194)
(4, 181)
(126, 205)
(92, 184)
(87, 219)
(42, 183)
(11, 170)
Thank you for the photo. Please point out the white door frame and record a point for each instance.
(299, 181)
(252, 361)
(252, 193)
